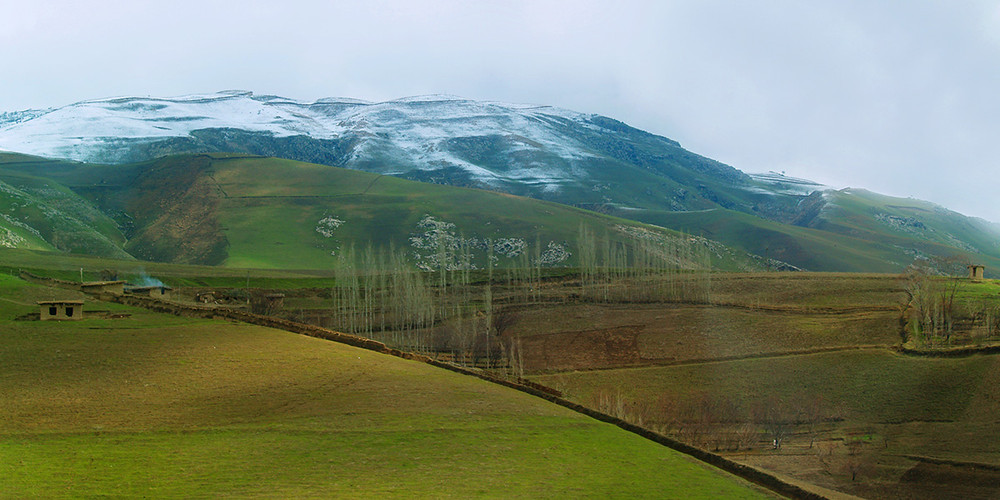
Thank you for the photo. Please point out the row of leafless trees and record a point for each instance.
(381, 294)
(930, 310)
(654, 268)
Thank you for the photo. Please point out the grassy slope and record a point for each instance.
(48, 215)
(852, 241)
(847, 236)
(807, 248)
(16, 236)
(855, 204)
(927, 227)
(271, 221)
(156, 405)
(67, 267)
(271, 208)
(263, 212)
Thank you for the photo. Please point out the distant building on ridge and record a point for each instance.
(976, 272)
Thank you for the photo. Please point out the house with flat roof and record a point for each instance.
(103, 287)
(976, 272)
(71, 310)
(156, 292)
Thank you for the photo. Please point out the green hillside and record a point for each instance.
(251, 212)
(857, 231)
(39, 213)
(150, 405)
(912, 224)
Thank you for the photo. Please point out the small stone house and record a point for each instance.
(71, 310)
(103, 287)
(156, 292)
(275, 300)
(267, 304)
(976, 272)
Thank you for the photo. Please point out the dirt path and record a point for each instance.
(370, 184)
(646, 363)
(17, 302)
(754, 475)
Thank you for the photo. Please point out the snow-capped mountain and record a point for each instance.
(526, 149)
(579, 159)
(420, 132)
(780, 183)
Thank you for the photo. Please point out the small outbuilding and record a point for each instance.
(976, 272)
(156, 292)
(276, 300)
(60, 310)
(267, 304)
(103, 287)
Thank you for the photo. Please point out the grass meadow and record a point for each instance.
(160, 406)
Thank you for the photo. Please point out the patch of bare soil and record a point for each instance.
(934, 480)
(602, 348)
(175, 214)
(589, 336)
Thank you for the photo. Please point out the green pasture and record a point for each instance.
(151, 405)
(270, 209)
(252, 212)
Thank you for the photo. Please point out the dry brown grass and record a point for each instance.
(748, 315)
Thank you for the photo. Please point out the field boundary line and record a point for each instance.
(654, 363)
(954, 352)
(956, 463)
(746, 472)
(17, 302)
(818, 310)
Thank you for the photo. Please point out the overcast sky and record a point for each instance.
(900, 97)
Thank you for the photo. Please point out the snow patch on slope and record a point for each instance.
(779, 183)
(417, 128)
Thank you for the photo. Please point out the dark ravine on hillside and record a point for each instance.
(578, 159)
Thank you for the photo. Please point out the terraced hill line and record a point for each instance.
(955, 352)
(726, 359)
(802, 309)
(12, 301)
(957, 463)
(826, 310)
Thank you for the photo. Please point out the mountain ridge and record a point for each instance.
(548, 153)
(427, 127)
